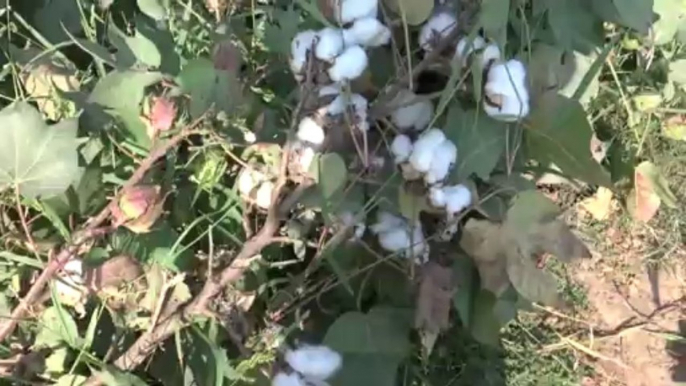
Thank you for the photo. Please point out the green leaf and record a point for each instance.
(671, 19)
(330, 173)
(95, 50)
(559, 133)
(410, 204)
(574, 26)
(112, 376)
(467, 287)
(56, 17)
(209, 88)
(123, 90)
(530, 281)
(90, 190)
(56, 327)
(155, 9)
(277, 37)
(38, 159)
(636, 14)
(677, 72)
(416, 11)
(71, 380)
(494, 17)
(134, 49)
(480, 142)
(485, 326)
(372, 345)
(163, 40)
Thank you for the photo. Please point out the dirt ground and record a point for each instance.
(633, 315)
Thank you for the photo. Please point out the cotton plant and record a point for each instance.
(310, 365)
(506, 93)
(401, 236)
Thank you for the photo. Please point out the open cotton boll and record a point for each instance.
(330, 89)
(316, 362)
(292, 379)
(310, 131)
(249, 179)
(490, 54)
(348, 220)
(457, 197)
(444, 156)
(423, 150)
(346, 11)
(367, 32)
(263, 196)
(438, 27)
(466, 46)
(386, 221)
(329, 44)
(305, 159)
(401, 147)
(412, 116)
(69, 286)
(301, 43)
(349, 65)
(437, 196)
(508, 97)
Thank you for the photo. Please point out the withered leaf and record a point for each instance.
(435, 296)
(113, 273)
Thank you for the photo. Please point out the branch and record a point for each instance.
(92, 230)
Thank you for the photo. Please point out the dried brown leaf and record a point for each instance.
(435, 296)
(599, 206)
(113, 273)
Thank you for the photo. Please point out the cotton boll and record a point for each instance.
(292, 379)
(464, 48)
(444, 157)
(316, 362)
(394, 240)
(424, 147)
(419, 248)
(342, 101)
(249, 179)
(69, 285)
(386, 221)
(305, 159)
(458, 197)
(508, 97)
(348, 220)
(490, 54)
(367, 32)
(346, 11)
(413, 116)
(438, 27)
(329, 44)
(310, 131)
(263, 196)
(302, 42)
(437, 196)
(330, 89)
(401, 147)
(349, 65)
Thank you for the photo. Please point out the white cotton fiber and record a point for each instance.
(292, 379)
(444, 156)
(310, 131)
(263, 196)
(507, 91)
(314, 362)
(490, 54)
(464, 48)
(458, 198)
(411, 116)
(347, 11)
(349, 65)
(367, 32)
(437, 196)
(301, 43)
(329, 44)
(423, 150)
(438, 27)
(401, 147)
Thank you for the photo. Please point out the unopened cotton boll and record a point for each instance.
(329, 44)
(346, 11)
(263, 196)
(292, 379)
(506, 92)
(444, 157)
(349, 65)
(401, 147)
(424, 147)
(367, 32)
(316, 362)
(458, 198)
(412, 116)
(438, 27)
(310, 131)
(302, 42)
(466, 46)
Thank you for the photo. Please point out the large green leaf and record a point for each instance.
(672, 14)
(330, 173)
(134, 49)
(123, 90)
(56, 326)
(574, 25)
(209, 87)
(55, 17)
(277, 37)
(372, 345)
(155, 9)
(494, 17)
(637, 14)
(38, 159)
(677, 72)
(480, 142)
(559, 134)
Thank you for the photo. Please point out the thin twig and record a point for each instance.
(92, 230)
